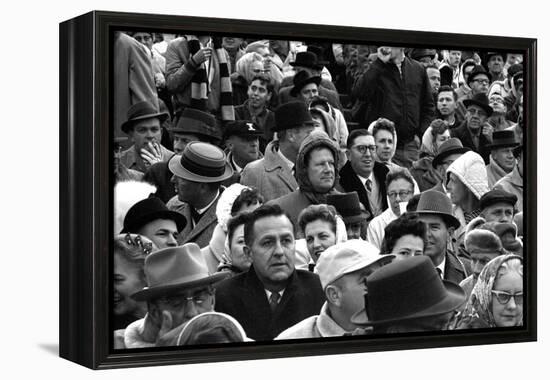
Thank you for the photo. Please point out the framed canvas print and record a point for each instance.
(239, 189)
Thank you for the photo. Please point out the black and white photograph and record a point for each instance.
(287, 189)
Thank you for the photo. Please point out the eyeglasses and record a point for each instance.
(475, 111)
(504, 297)
(402, 194)
(363, 148)
(178, 301)
(481, 81)
(147, 248)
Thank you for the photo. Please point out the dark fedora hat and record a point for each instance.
(434, 202)
(201, 162)
(292, 115)
(142, 111)
(477, 70)
(197, 122)
(421, 53)
(405, 290)
(301, 79)
(348, 206)
(497, 196)
(480, 100)
(503, 139)
(173, 269)
(146, 211)
(308, 59)
(242, 128)
(451, 146)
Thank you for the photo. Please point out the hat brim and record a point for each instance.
(486, 108)
(318, 66)
(294, 91)
(137, 224)
(455, 298)
(127, 125)
(286, 127)
(451, 220)
(177, 169)
(148, 293)
(440, 157)
(503, 145)
(355, 218)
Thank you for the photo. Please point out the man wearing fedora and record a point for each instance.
(397, 88)
(436, 211)
(478, 81)
(352, 212)
(502, 160)
(273, 174)
(192, 125)
(272, 295)
(198, 174)
(363, 174)
(143, 126)
(342, 269)
(151, 218)
(513, 181)
(242, 146)
(475, 132)
(306, 86)
(307, 61)
(179, 287)
(498, 205)
(431, 177)
(316, 174)
(407, 296)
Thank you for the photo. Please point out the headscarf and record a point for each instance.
(479, 304)
(428, 145)
(242, 67)
(316, 139)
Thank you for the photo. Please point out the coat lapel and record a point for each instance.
(207, 219)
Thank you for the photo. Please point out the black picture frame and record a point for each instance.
(86, 190)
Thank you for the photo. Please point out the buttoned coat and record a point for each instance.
(270, 175)
(350, 182)
(244, 298)
(463, 134)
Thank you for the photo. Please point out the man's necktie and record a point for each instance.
(274, 300)
(440, 273)
(368, 185)
(195, 215)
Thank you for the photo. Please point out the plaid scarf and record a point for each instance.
(199, 83)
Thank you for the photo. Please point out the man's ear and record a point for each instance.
(248, 252)
(333, 295)
(348, 154)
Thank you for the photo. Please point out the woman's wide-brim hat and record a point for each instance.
(302, 79)
(174, 269)
(142, 111)
(405, 290)
(148, 210)
(201, 162)
(433, 202)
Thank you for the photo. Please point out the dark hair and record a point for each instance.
(406, 224)
(311, 213)
(261, 212)
(247, 197)
(355, 134)
(383, 124)
(438, 127)
(264, 80)
(235, 222)
(413, 203)
(399, 173)
(447, 89)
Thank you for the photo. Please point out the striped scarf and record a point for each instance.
(199, 82)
